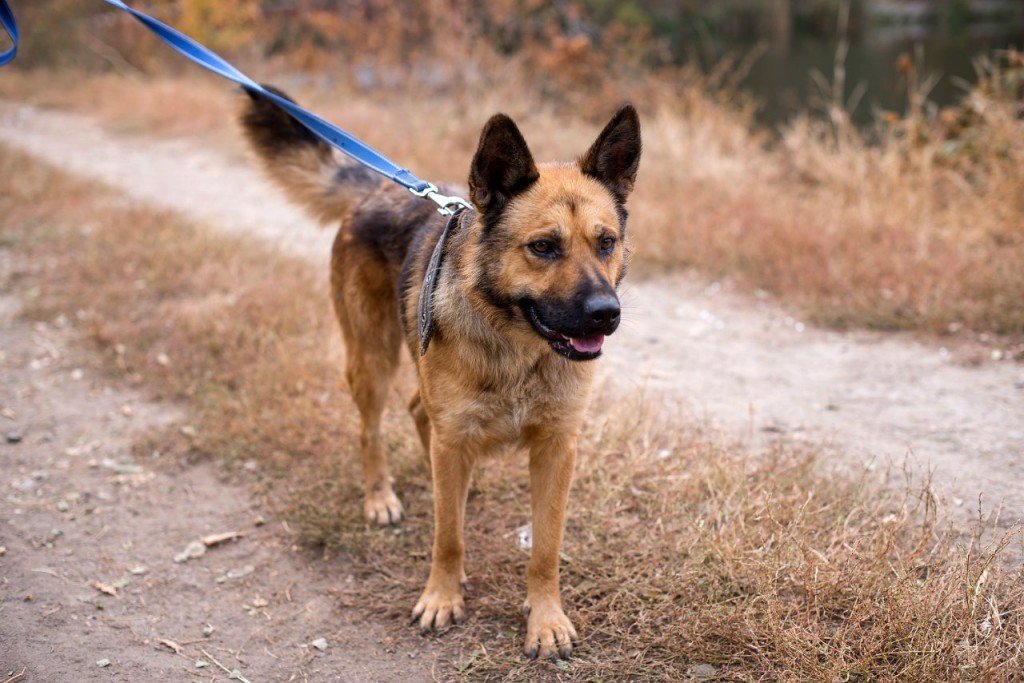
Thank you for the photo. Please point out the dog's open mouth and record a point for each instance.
(573, 348)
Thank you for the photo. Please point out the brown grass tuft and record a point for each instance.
(685, 555)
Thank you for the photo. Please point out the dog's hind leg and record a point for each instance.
(366, 304)
(419, 416)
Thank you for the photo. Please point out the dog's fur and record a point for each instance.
(525, 294)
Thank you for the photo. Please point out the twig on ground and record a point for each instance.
(18, 676)
(232, 673)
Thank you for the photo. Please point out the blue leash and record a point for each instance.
(329, 133)
(11, 27)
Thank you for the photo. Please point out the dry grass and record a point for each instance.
(681, 550)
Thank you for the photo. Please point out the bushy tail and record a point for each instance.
(307, 168)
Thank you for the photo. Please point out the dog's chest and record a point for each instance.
(501, 410)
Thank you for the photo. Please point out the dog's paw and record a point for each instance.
(549, 633)
(438, 609)
(383, 507)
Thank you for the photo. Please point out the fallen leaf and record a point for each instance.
(104, 588)
(217, 539)
(171, 645)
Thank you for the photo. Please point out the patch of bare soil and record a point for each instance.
(90, 589)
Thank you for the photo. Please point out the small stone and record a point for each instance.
(163, 359)
(200, 664)
(702, 672)
(524, 536)
(13, 437)
(189, 431)
(121, 467)
(320, 644)
(239, 572)
(103, 663)
(192, 550)
(62, 506)
(208, 630)
(139, 571)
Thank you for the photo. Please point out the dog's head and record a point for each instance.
(552, 236)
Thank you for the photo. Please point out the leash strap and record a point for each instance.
(11, 29)
(425, 306)
(211, 61)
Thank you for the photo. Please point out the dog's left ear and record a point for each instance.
(614, 157)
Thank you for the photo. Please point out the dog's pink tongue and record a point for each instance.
(587, 344)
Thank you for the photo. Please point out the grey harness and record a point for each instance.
(425, 307)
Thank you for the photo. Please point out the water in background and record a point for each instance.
(781, 79)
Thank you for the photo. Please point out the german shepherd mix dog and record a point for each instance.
(522, 300)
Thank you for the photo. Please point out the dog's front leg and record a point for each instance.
(441, 603)
(549, 633)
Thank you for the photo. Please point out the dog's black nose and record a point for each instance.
(602, 311)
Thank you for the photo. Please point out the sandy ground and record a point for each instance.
(744, 365)
(89, 587)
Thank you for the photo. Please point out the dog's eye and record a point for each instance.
(607, 243)
(542, 247)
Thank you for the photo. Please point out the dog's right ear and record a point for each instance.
(502, 166)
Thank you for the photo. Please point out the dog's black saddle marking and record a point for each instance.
(425, 307)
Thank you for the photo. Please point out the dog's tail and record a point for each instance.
(306, 167)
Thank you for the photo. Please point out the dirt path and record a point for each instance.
(89, 587)
(747, 367)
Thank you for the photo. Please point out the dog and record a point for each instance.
(520, 295)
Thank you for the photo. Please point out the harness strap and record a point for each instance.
(425, 307)
(211, 61)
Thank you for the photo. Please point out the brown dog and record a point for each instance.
(524, 295)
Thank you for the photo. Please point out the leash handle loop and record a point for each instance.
(206, 58)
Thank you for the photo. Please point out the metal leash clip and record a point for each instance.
(446, 206)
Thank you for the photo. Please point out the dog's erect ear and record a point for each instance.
(502, 166)
(615, 156)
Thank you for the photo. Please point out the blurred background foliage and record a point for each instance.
(568, 48)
